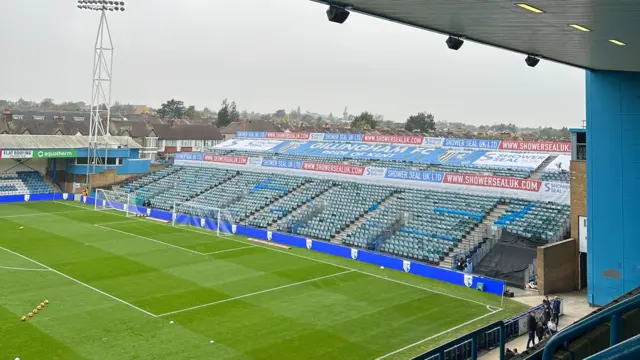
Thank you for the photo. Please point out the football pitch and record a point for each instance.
(132, 288)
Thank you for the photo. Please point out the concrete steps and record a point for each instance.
(274, 226)
(475, 236)
(292, 193)
(343, 234)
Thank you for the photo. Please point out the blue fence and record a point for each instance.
(457, 278)
(484, 339)
(34, 197)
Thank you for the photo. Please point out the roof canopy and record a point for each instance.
(58, 142)
(548, 34)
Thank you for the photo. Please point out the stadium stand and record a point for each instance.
(424, 225)
(24, 182)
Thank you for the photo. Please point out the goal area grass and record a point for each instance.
(131, 288)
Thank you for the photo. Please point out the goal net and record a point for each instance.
(119, 200)
(203, 216)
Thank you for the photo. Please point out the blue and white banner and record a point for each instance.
(248, 145)
(362, 151)
(511, 159)
(189, 156)
(471, 143)
(251, 134)
(414, 175)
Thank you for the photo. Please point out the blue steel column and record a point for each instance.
(474, 347)
(503, 337)
(613, 175)
(615, 326)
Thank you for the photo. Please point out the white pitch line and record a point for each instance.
(255, 293)
(436, 335)
(21, 269)
(79, 282)
(319, 261)
(227, 250)
(360, 271)
(39, 214)
(149, 239)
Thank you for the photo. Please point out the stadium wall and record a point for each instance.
(613, 209)
(9, 166)
(431, 142)
(578, 195)
(558, 267)
(457, 278)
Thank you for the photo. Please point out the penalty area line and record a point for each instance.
(21, 269)
(437, 335)
(79, 282)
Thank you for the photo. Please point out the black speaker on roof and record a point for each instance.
(336, 14)
(454, 43)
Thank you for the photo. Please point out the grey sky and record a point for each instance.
(271, 54)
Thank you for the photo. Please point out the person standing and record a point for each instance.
(556, 310)
(540, 330)
(532, 325)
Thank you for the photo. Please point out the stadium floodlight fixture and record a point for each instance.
(101, 85)
(101, 5)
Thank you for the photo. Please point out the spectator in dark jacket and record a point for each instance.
(540, 330)
(532, 324)
(556, 310)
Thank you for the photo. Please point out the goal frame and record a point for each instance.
(106, 202)
(223, 227)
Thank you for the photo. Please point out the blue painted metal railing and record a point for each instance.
(613, 315)
(629, 349)
(486, 338)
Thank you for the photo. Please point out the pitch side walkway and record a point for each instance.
(575, 307)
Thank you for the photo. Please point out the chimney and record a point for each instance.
(6, 116)
(172, 122)
(147, 123)
(59, 119)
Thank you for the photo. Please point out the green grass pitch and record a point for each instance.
(133, 288)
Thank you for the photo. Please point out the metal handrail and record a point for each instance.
(628, 349)
(612, 314)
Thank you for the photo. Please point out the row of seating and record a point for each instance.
(23, 183)
(286, 205)
(543, 220)
(562, 176)
(341, 207)
(422, 224)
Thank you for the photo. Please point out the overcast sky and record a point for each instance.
(272, 54)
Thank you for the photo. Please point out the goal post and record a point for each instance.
(117, 200)
(213, 218)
